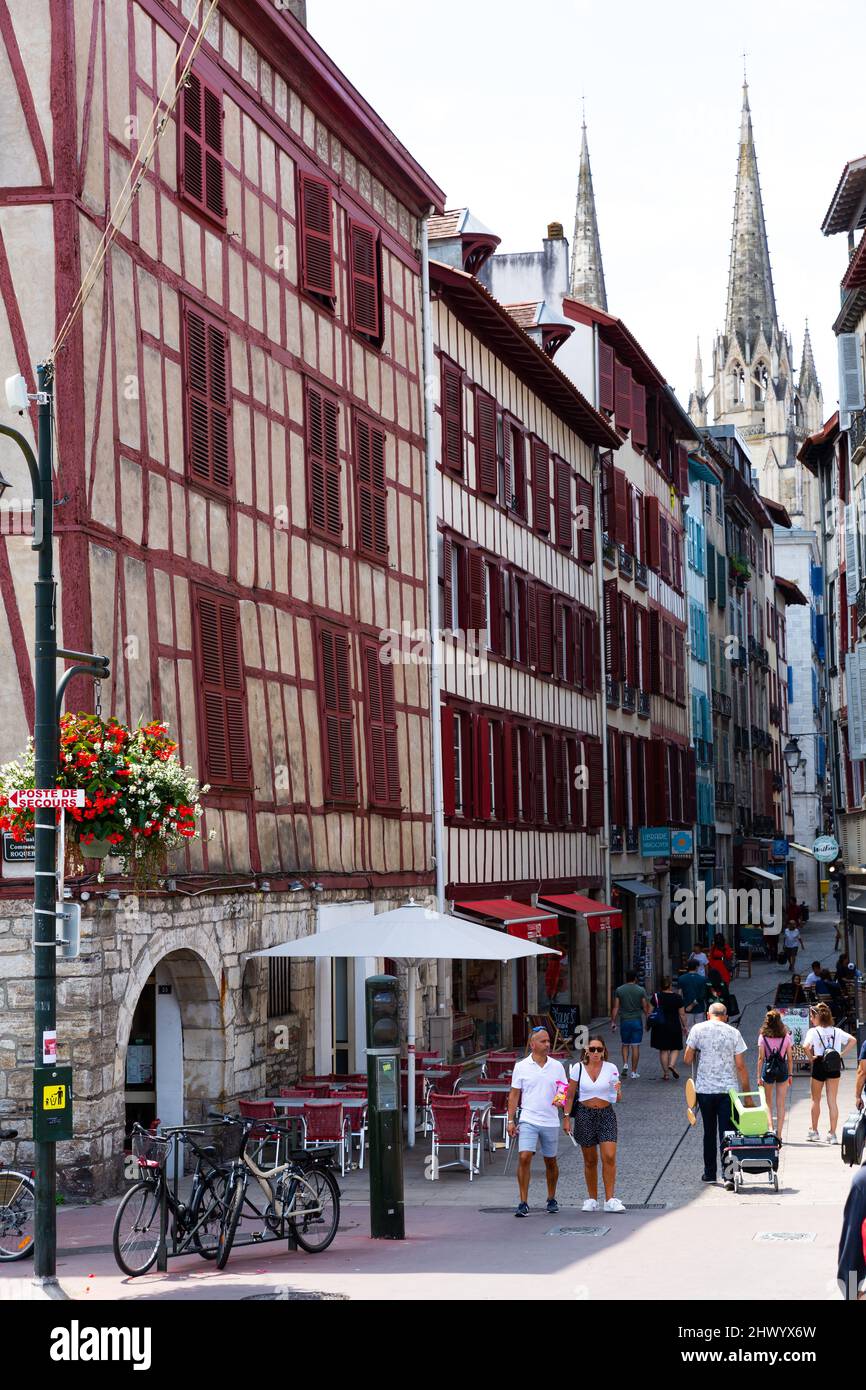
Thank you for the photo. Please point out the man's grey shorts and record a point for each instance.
(528, 1136)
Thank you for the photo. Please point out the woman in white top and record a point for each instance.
(593, 1091)
(823, 1039)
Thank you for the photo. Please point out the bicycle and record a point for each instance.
(196, 1224)
(303, 1197)
(17, 1209)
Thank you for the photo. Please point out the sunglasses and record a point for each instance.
(595, 1049)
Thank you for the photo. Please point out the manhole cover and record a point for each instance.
(785, 1235)
(295, 1296)
(594, 1231)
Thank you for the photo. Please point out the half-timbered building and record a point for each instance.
(240, 464)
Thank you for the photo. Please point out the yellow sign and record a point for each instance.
(825, 885)
(53, 1097)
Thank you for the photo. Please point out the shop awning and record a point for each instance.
(763, 874)
(803, 849)
(637, 888)
(599, 917)
(519, 919)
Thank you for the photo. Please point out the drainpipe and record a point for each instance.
(599, 599)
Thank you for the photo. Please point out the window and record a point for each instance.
(562, 503)
(323, 463)
(486, 463)
(201, 148)
(606, 373)
(619, 520)
(585, 521)
(540, 487)
(223, 711)
(513, 468)
(456, 761)
(452, 416)
(280, 986)
(364, 280)
(592, 755)
(372, 496)
(544, 629)
(383, 765)
(638, 416)
(207, 400)
(338, 719)
(315, 232)
(494, 595)
(521, 750)
(613, 647)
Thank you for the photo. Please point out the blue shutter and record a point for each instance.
(790, 685)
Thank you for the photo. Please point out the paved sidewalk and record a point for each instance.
(680, 1240)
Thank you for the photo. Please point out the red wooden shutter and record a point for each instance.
(656, 624)
(674, 787)
(620, 507)
(224, 711)
(624, 635)
(448, 775)
(622, 400)
(323, 463)
(680, 655)
(447, 615)
(483, 803)
(486, 463)
(606, 368)
(518, 471)
(452, 416)
(201, 147)
(588, 672)
(544, 601)
(207, 400)
(364, 278)
(510, 755)
(316, 236)
(531, 606)
(541, 487)
(562, 503)
(372, 492)
(607, 509)
(638, 415)
(477, 593)
(612, 630)
(338, 723)
(668, 672)
(682, 470)
(664, 550)
(496, 616)
(653, 533)
(595, 784)
(384, 767)
(645, 677)
(585, 522)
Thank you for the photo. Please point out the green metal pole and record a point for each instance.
(45, 890)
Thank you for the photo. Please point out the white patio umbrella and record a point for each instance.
(412, 934)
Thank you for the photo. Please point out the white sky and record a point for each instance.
(487, 99)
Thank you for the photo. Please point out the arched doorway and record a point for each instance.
(174, 1051)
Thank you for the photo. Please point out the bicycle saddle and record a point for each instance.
(8, 1134)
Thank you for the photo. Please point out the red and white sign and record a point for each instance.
(49, 1046)
(40, 798)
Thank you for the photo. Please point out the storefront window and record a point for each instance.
(477, 1018)
(554, 974)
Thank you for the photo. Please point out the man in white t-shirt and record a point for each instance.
(700, 956)
(813, 976)
(719, 1050)
(792, 943)
(535, 1083)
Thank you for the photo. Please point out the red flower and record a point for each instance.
(115, 839)
(86, 839)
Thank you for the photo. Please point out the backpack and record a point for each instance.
(831, 1057)
(775, 1067)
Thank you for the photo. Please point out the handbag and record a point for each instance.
(656, 1015)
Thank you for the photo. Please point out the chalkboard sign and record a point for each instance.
(566, 1017)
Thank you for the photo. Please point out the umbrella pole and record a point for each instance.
(410, 1049)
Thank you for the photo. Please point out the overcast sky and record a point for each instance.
(487, 99)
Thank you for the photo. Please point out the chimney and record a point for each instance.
(298, 8)
(554, 231)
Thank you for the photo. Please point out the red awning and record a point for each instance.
(520, 919)
(599, 917)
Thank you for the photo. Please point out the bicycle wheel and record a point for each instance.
(207, 1218)
(135, 1237)
(17, 1215)
(230, 1222)
(315, 1212)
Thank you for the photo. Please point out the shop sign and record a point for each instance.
(681, 843)
(655, 840)
(826, 849)
(706, 858)
(780, 849)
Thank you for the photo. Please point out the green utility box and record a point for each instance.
(52, 1104)
(384, 1119)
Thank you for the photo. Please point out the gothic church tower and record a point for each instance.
(753, 374)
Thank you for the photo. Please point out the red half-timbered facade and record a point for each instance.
(240, 462)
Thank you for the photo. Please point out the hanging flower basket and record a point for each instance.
(140, 802)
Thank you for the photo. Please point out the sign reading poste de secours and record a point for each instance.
(42, 798)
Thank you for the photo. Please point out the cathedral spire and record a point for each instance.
(699, 371)
(587, 272)
(808, 374)
(751, 302)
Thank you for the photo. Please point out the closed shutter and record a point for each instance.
(540, 487)
(338, 722)
(711, 571)
(638, 416)
(486, 463)
(448, 779)
(452, 416)
(664, 550)
(622, 398)
(721, 581)
(595, 784)
(316, 236)
(585, 522)
(223, 693)
(560, 775)
(448, 613)
(644, 678)
(207, 400)
(477, 594)
(655, 626)
(531, 607)
(682, 470)
(518, 471)
(653, 533)
(612, 630)
(496, 615)
(483, 805)
(510, 755)
(372, 492)
(653, 425)
(364, 279)
(323, 463)
(384, 768)
(540, 773)
(201, 147)
(680, 656)
(616, 777)
(606, 372)
(668, 671)
(620, 507)
(630, 640)
(562, 503)
(544, 602)
(607, 518)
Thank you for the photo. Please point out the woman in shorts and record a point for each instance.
(822, 1038)
(593, 1091)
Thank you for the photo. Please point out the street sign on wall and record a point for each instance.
(18, 851)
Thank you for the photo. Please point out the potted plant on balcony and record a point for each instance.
(140, 802)
(740, 570)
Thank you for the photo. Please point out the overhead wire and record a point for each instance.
(147, 147)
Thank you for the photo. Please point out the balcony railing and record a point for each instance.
(763, 825)
(626, 563)
(722, 704)
(763, 656)
(778, 782)
(861, 603)
(608, 551)
(629, 697)
(725, 793)
(643, 704)
(632, 839)
(612, 692)
(775, 714)
(617, 845)
(640, 574)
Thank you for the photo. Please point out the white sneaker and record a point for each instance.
(635, 1076)
(831, 1137)
(613, 1204)
(590, 1204)
(812, 1136)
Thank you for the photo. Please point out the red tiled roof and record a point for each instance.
(525, 314)
(445, 225)
(845, 200)
(791, 592)
(855, 275)
(815, 441)
(777, 512)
